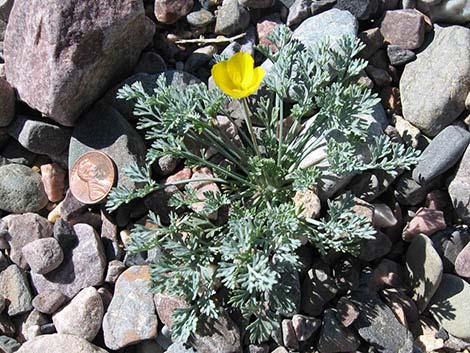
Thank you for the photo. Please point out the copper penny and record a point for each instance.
(92, 177)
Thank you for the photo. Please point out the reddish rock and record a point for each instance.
(183, 174)
(24, 229)
(166, 305)
(379, 76)
(203, 187)
(373, 40)
(264, 27)
(83, 266)
(404, 28)
(170, 11)
(462, 263)
(53, 178)
(426, 221)
(63, 56)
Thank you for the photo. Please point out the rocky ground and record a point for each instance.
(66, 281)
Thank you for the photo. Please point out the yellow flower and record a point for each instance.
(237, 76)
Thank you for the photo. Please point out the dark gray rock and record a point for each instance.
(217, 335)
(83, 266)
(334, 337)
(399, 56)
(378, 325)
(104, 129)
(318, 288)
(408, 191)
(15, 289)
(459, 188)
(371, 184)
(7, 103)
(291, 281)
(151, 63)
(449, 306)
(21, 189)
(424, 270)
(60, 66)
(372, 249)
(232, 18)
(443, 69)
(39, 136)
(305, 326)
(444, 151)
(43, 255)
(257, 4)
(361, 9)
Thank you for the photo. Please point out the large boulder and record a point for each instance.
(62, 57)
(434, 87)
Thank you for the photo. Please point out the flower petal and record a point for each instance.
(240, 69)
(258, 75)
(221, 77)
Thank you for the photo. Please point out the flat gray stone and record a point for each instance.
(14, 287)
(333, 23)
(334, 337)
(131, 315)
(449, 306)
(39, 136)
(434, 87)
(232, 18)
(83, 266)
(425, 269)
(444, 151)
(104, 129)
(217, 335)
(21, 189)
(378, 325)
(59, 343)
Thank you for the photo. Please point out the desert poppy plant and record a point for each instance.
(237, 76)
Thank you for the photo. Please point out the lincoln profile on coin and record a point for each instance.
(95, 178)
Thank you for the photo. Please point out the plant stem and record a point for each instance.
(250, 125)
(281, 128)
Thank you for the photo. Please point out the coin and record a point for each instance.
(92, 177)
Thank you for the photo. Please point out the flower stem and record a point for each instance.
(250, 125)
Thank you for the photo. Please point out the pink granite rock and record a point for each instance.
(404, 28)
(53, 178)
(426, 221)
(170, 11)
(63, 56)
